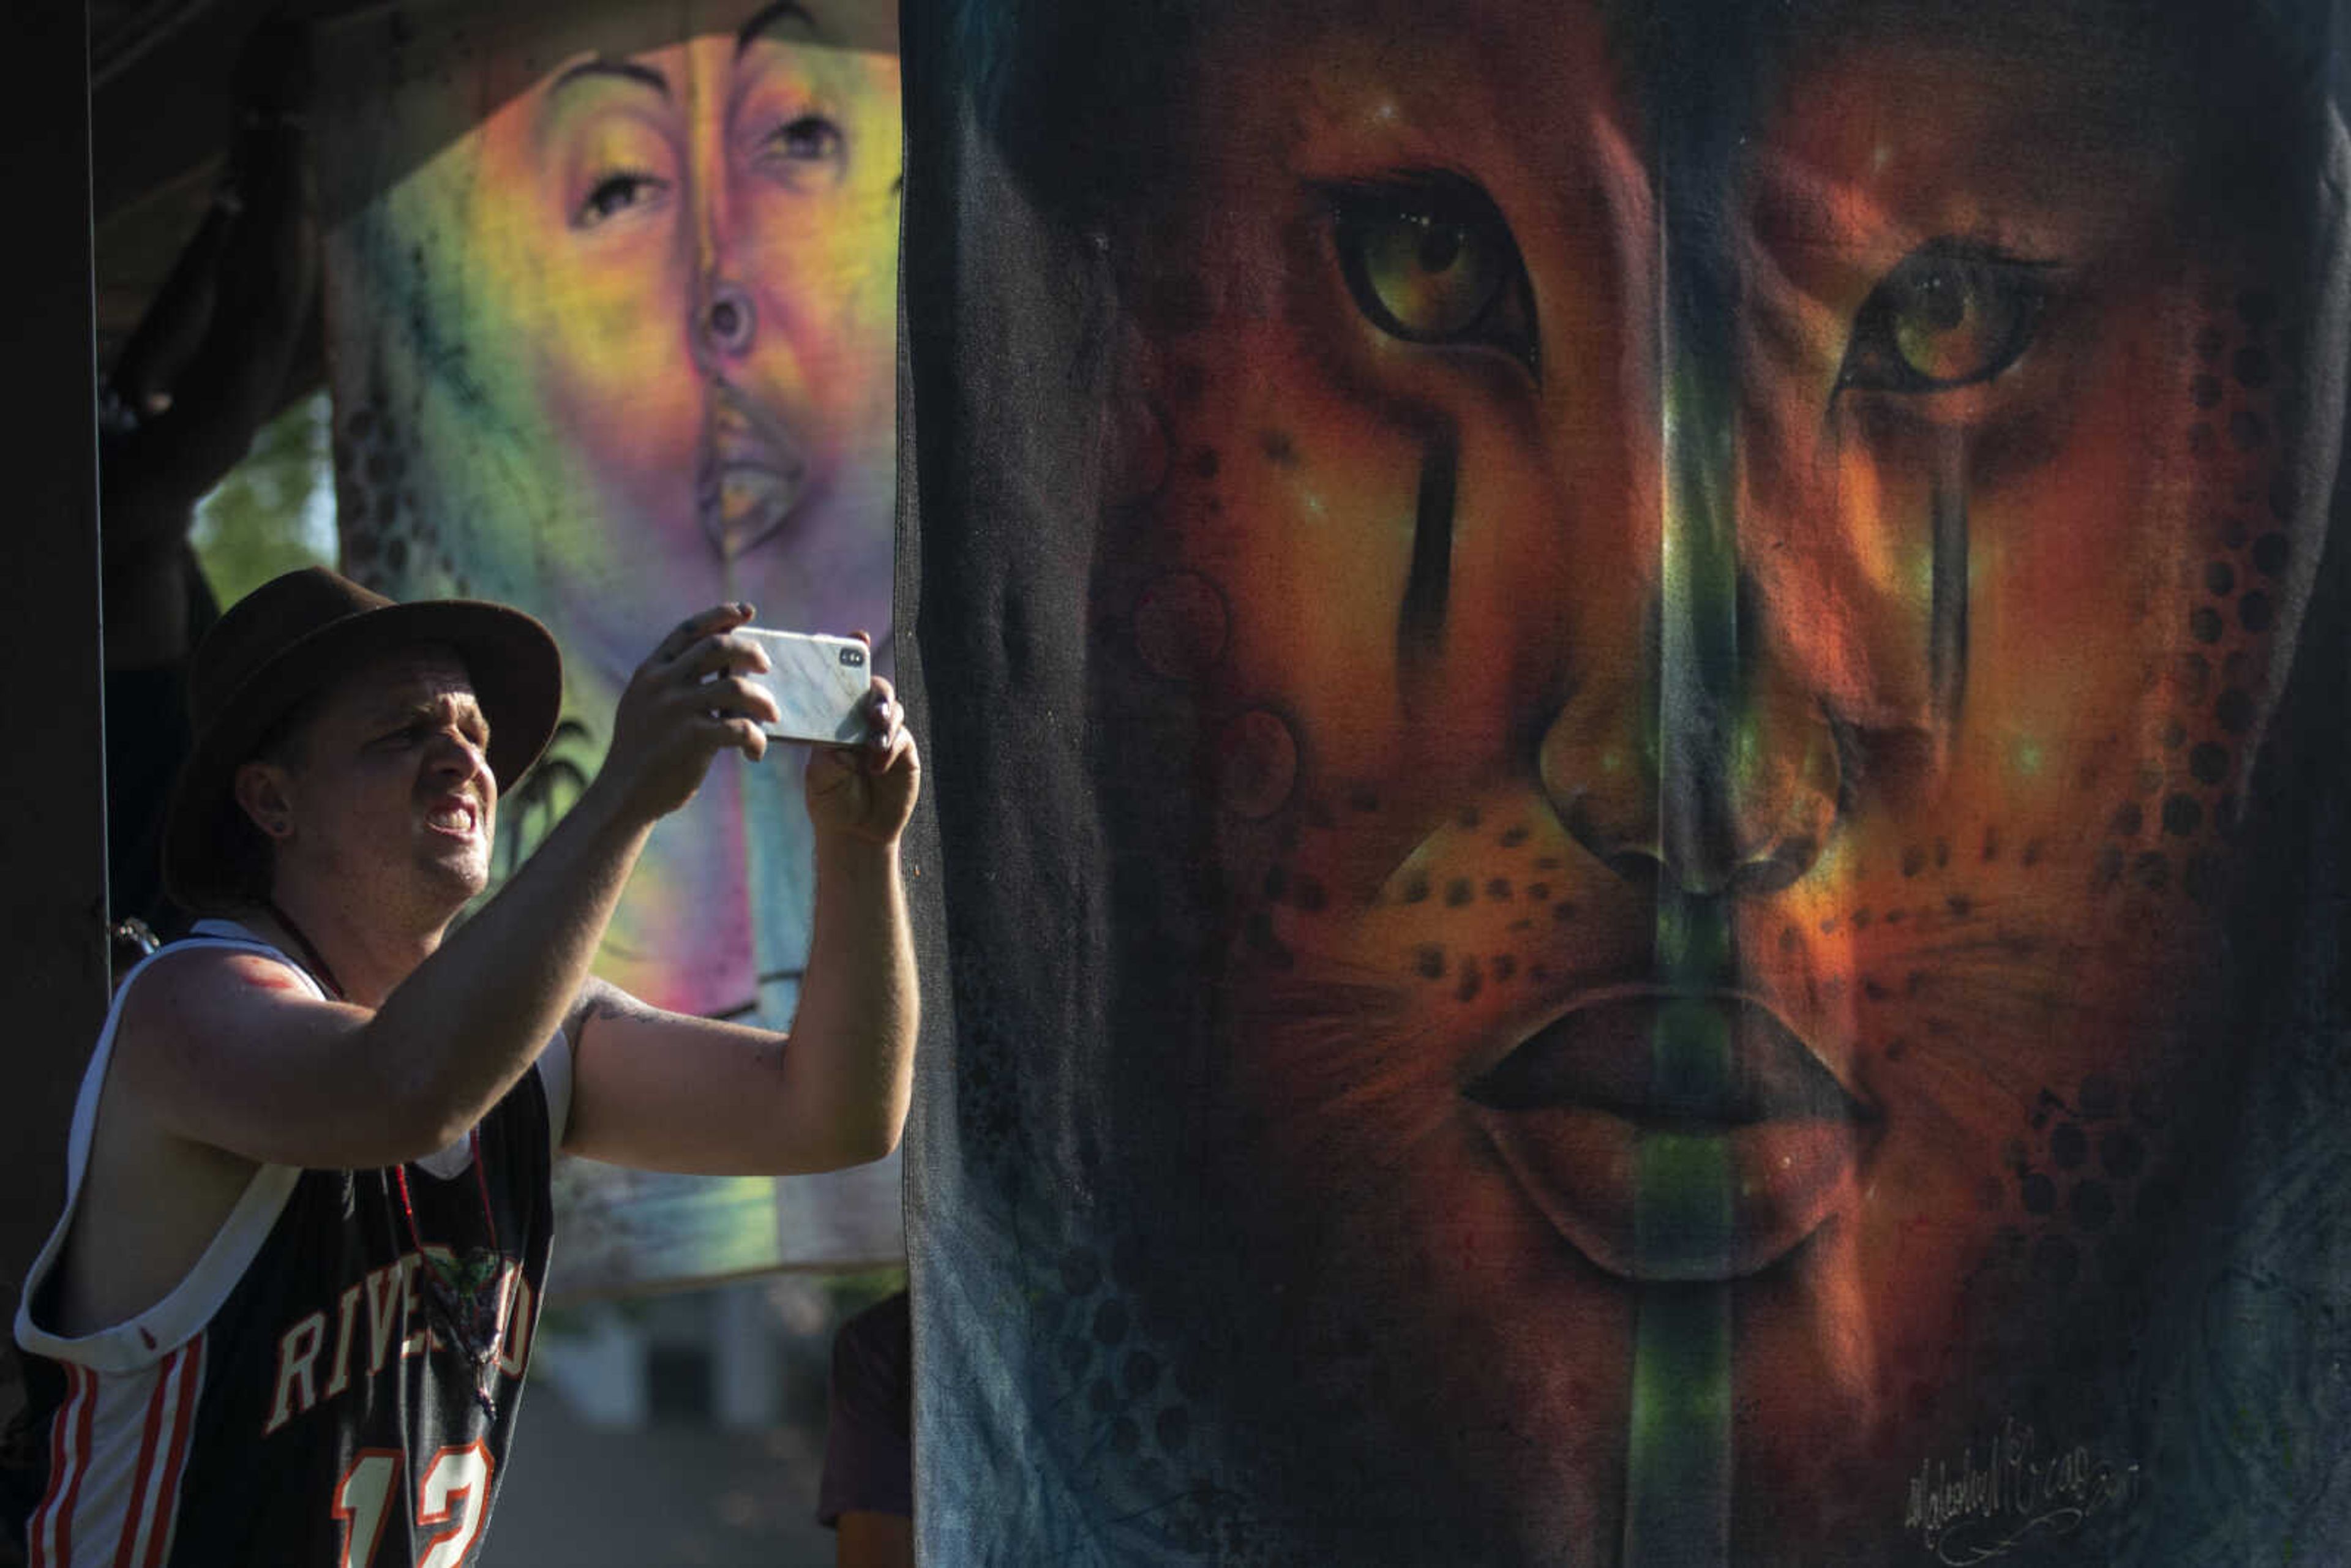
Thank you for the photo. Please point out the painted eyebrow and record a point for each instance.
(627, 70)
(773, 16)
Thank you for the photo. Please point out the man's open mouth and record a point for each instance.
(1674, 1137)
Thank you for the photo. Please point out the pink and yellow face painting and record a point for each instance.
(699, 248)
(621, 345)
(611, 295)
(1723, 587)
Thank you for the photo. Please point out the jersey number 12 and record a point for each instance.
(450, 1500)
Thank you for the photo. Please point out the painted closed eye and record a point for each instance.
(1950, 314)
(616, 193)
(1429, 259)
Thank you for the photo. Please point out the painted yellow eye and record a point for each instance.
(1948, 315)
(1431, 261)
(1433, 280)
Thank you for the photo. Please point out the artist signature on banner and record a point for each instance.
(2010, 1493)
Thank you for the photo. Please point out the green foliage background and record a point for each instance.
(275, 510)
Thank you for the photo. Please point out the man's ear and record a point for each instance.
(262, 795)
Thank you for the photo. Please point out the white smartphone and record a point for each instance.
(819, 684)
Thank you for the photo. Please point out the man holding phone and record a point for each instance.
(286, 1312)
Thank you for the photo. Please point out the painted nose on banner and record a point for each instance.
(729, 320)
(1735, 794)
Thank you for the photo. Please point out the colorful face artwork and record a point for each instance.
(711, 247)
(612, 301)
(621, 348)
(1686, 626)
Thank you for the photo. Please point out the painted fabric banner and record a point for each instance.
(1636, 717)
(612, 294)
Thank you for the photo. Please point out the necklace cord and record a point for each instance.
(481, 1357)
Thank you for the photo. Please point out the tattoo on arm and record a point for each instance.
(602, 1000)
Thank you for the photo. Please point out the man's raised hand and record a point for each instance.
(686, 704)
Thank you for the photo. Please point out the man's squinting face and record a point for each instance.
(1728, 665)
(388, 791)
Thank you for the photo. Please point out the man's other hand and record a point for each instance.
(866, 793)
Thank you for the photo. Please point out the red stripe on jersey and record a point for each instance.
(136, 1519)
(41, 1536)
(131, 1513)
(84, 1450)
(51, 1535)
(166, 1514)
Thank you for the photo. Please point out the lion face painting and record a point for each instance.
(1716, 586)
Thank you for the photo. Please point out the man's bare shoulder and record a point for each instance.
(178, 975)
(157, 1190)
(187, 998)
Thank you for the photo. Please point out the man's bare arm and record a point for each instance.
(216, 1056)
(663, 1091)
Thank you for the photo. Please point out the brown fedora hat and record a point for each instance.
(293, 636)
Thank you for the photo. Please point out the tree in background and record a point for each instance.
(275, 512)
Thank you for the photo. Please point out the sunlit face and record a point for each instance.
(1725, 664)
(702, 238)
(385, 798)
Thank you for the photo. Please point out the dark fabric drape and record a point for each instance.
(1633, 721)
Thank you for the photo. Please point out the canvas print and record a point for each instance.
(1671, 677)
(612, 299)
